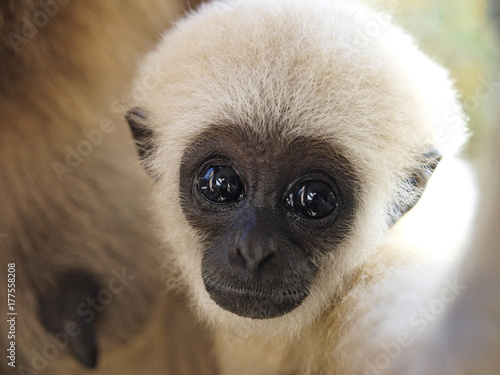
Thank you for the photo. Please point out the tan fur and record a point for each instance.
(65, 79)
(298, 69)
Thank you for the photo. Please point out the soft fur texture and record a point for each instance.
(288, 69)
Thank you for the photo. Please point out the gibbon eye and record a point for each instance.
(220, 184)
(314, 199)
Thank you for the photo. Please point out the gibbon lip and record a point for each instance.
(252, 292)
(253, 303)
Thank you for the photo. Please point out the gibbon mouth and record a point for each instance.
(253, 303)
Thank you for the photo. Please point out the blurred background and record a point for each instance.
(461, 36)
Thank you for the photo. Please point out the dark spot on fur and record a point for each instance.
(62, 315)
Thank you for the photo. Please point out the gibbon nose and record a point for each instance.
(255, 246)
(254, 255)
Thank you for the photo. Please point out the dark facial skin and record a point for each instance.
(261, 252)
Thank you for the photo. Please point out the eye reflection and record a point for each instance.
(314, 199)
(220, 184)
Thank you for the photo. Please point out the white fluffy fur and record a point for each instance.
(379, 98)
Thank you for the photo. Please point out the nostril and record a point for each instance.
(271, 245)
(266, 258)
(256, 258)
(237, 259)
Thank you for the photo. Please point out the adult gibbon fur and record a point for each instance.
(75, 222)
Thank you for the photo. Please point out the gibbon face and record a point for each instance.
(283, 146)
(267, 211)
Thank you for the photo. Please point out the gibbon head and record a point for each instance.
(284, 141)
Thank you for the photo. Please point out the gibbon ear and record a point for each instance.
(421, 177)
(143, 136)
(60, 313)
(418, 180)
